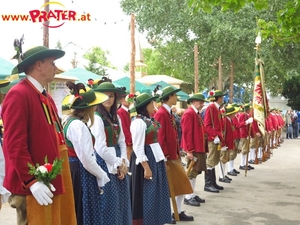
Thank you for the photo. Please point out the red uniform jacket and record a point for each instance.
(274, 121)
(167, 134)
(269, 124)
(192, 131)
(237, 124)
(125, 119)
(213, 122)
(28, 137)
(244, 129)
(229, 133)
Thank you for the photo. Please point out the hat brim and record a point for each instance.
(146, 102)
(195, 99)
(235, 111)
(4, 83)
(56, 53)
(169, 93)
(115, 90)
(100, 98)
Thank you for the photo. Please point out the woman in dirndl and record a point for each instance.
(149, 186)
(112, 157)
(88, 178)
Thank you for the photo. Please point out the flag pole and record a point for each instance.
(259, 94)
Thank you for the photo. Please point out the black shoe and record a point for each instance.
(250, 167)
(242, 168)
(251, 161)
(237, 172)
(228, 178)
(184, 217)
(191, 202)
(232, 173)
(224, 180)
(198, 199)
(173, 221)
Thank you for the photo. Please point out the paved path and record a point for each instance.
(270, 195)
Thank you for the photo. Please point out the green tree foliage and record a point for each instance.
(173, 27)
(291, 90)
(283, 28)
(97, 61)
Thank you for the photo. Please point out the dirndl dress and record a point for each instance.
(115, 201)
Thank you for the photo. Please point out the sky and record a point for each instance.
(108, 29)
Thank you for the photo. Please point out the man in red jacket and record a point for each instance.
(33, 132)
(168, 140)
(246, 120)
(229, 141)
(214, 128)
(193, 143)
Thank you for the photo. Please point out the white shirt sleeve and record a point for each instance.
(122, 144)
(79, 135)
(108, 154)
(3, 191)
(138, 133)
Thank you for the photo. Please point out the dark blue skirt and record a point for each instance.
(115, 202)
(149, 198)
(86, 194)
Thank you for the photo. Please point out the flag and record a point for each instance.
(259, 96)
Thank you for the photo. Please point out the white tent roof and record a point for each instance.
(151, 79)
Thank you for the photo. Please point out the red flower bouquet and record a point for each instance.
(47, 172)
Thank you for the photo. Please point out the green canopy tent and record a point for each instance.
(125, 82)
(81, 74)
(181, 94)
(5, 68)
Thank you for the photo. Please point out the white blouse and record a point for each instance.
(3, 191)
(108, 154)
(138, 133)
(81, 138)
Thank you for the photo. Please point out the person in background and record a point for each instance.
(194, 143)
(87, 175)
(4, 193)
(32, 132)
(150, 201)
(124, 114)
(288, 124)
(112, 157)
(168, 140)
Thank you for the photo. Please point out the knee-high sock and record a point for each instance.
(193, 184)
(229, 166)
(252, 154)
(179, 200)
(243, 159)
(259, 152)
(222, 169)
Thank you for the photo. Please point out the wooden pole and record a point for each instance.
(132, 59)
(46, 28)
(231, 82)
(220, 74)
(196, 70)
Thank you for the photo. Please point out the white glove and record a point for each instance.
(217, 140)
(250, 120)
(42, 193)
(103, 179)
(224, 148)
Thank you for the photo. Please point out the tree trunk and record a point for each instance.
(231, 91)
(220, 75)
(196, 66)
